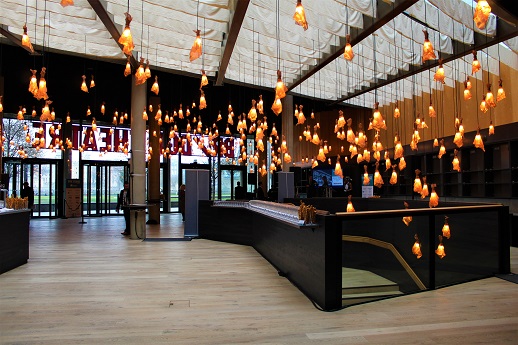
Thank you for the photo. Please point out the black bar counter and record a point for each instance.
(14, 243)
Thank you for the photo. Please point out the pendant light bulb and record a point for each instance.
(300, 15)
(348, 51)
(397, 112)
(33, 83)
(478, 142)
(439, 74)
(350, 207)
(455, 163)
(280, 88)
(446, 232)
(155, 88)
(501, 93)
(481, 14)
(416, 248)
(196, 49)
(84, 88)
(434, 198)
(203, 102)
(126, 39)
(140, 74)
(204, 80)
(26, 41)
(467, 88)
(440, 249)
(490, 99)
(147, 70)
(475, 65)
(428, 52)
(127, 70)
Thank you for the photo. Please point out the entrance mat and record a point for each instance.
(167, 239)
(513, 278)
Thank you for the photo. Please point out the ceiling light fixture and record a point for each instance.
(348, 51)
(481, 14)
(126, 39)
(300, 15)
(196, 49)
(428, 52)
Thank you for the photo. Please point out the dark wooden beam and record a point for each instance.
(237, 21)
(99, 6)
(386, 12)
(16, 39)
(505, 31)
(505, 9)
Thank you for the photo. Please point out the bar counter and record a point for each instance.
(14, 234)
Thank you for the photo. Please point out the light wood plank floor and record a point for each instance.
(87, 284)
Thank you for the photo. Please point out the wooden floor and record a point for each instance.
(87, 284)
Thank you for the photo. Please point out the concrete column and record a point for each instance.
(138, 144)
(153, 181)
(287, 129)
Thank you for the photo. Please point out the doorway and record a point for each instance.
(102, 182)
(42, 175)
(230, 176)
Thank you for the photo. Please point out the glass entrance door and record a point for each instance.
(42, 176)
(102, 183)
(230, 176)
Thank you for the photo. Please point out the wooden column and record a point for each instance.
(153, 181)
(138, 144)
(287, 129)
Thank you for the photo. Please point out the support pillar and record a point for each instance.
(287, 129)
(153, 187)
(138, 144)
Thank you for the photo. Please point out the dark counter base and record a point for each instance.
(309, 257)
(14, 246)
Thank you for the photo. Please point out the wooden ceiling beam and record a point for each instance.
(233, 33)
(99, 6)
(16, 39)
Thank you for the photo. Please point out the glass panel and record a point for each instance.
(237, 176)
(40, 199)
(13, 170)
(161, 185)
(214, 178)
(116, 184)
(226, 184)
(53, 191)
(105, 176)
(173, 182)
(89, 188)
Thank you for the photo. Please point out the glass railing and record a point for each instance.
(384, 257)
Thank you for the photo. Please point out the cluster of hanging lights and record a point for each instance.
(280, 91)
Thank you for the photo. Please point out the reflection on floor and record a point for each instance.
(87, 284)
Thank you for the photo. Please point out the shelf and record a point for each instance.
(492, 173)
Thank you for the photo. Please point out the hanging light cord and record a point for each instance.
(277, 33)
(142, 31)
(197, 11)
